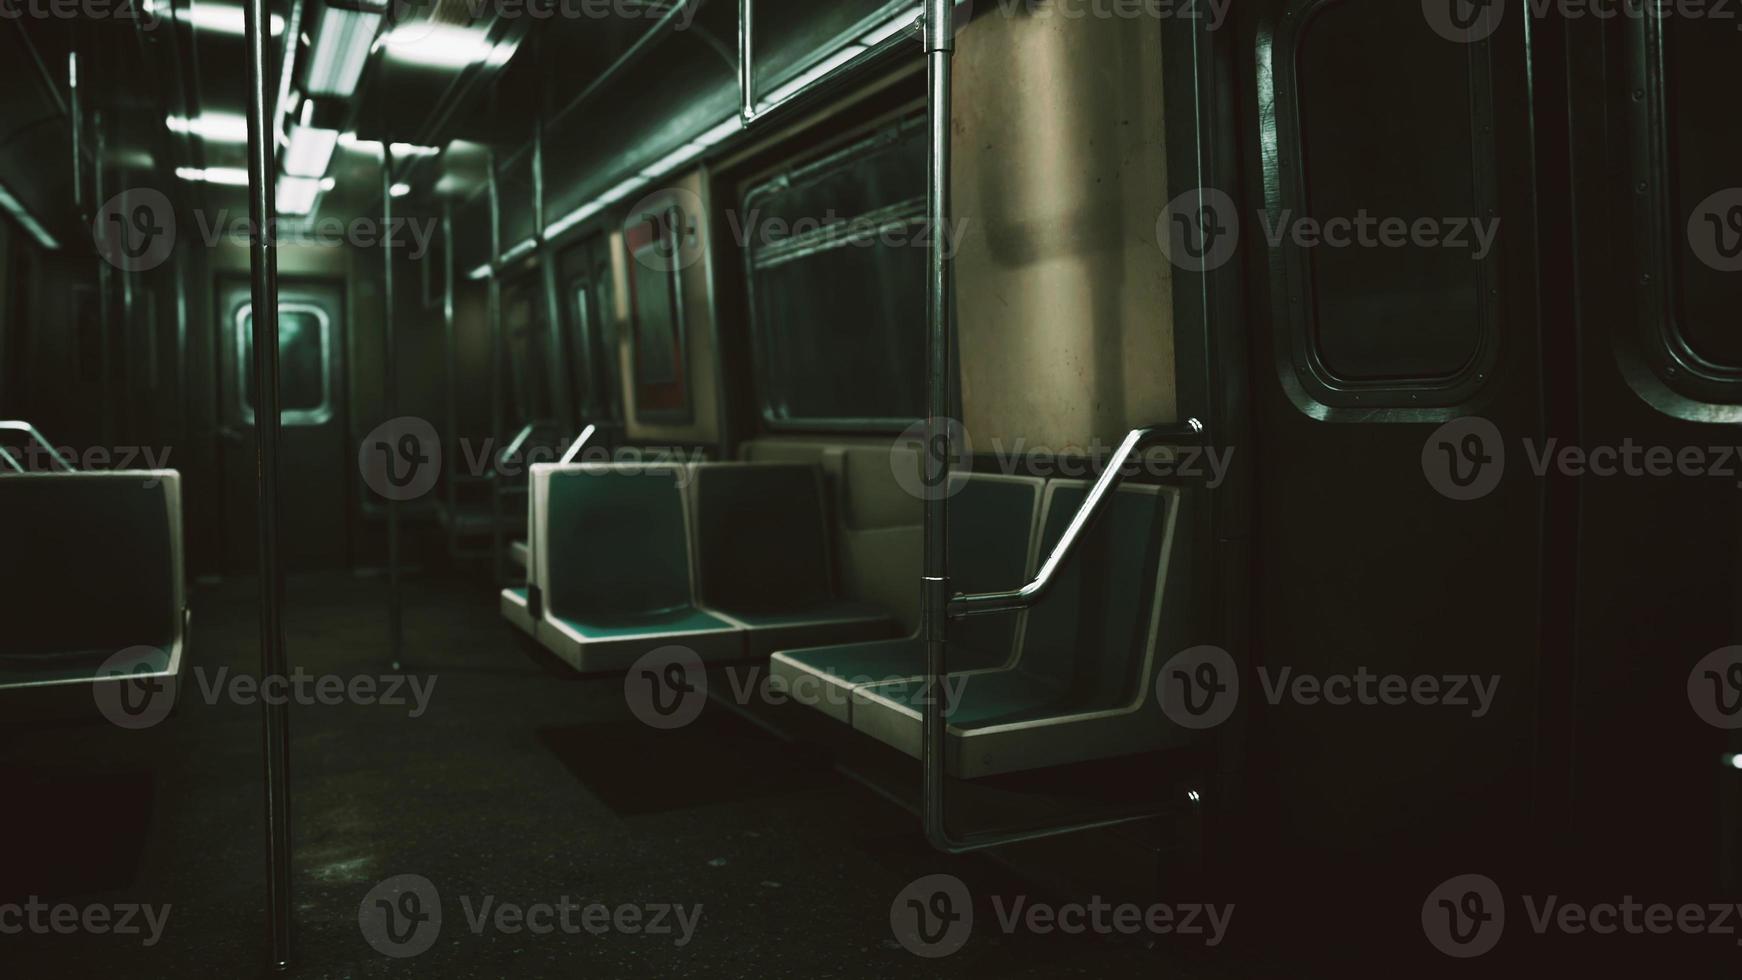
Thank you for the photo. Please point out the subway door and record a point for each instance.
(1383, 216)
(1658, 702)
(314, 466)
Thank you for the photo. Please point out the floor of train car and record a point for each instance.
(519, 782)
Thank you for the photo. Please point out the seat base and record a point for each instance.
(822, 624)
(826, 677)
(615, 648)
(1003, 721)
(517, 610)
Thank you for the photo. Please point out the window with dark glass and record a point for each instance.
(304, 350)
(526, 328)
(1705, 145)
(836, 256)
(1387, 132)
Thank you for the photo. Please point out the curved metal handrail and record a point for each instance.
(1191, 432)
(16, 425)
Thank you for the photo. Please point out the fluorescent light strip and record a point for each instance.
(222, 19)
(342, 42)
(400, 190)
(23, 217)
(213, 127)
(672, 161)
(226, 176)
(481, 272)
(806, 80)
(310, 151)
(437, 45)
(413, 150)
(297, 195)
(524, 248)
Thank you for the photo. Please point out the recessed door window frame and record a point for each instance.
(299, 417)
(1652, 350)
(1310, 384)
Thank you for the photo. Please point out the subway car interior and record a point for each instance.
(870, 488)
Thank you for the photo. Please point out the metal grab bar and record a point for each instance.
(579, 444)
(30, 432)
(520, 440)
(6, 457)
(1191, 432)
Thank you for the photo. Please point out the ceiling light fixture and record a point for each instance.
(226, 176)
(297, 195)
(313, 138)
(440, 45)
(221, 19)
(213, 127)
(343, 38)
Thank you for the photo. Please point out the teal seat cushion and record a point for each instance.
(995, 697)
(684, 619)
(825, 611)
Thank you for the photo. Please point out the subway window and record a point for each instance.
(1391, 130)
(837, 284)
(527, 331)
(658, 241)
(305, 350)
(1704, 190)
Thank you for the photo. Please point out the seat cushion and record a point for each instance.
(686, 619)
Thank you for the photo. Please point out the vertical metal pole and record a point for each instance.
(105, 301)
(746, 60)
(453, 414)
(390, 395)
(496, 361)
(263, 264)
(78, 123)
(940, 46)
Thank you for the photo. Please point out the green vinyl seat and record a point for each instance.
(992, 522)
(614, 565)
(1084, 651)
(764, 562)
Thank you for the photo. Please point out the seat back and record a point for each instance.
(992, 525)
(1092, 633)
(614, 542)
(97, 560)
(762, 537)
